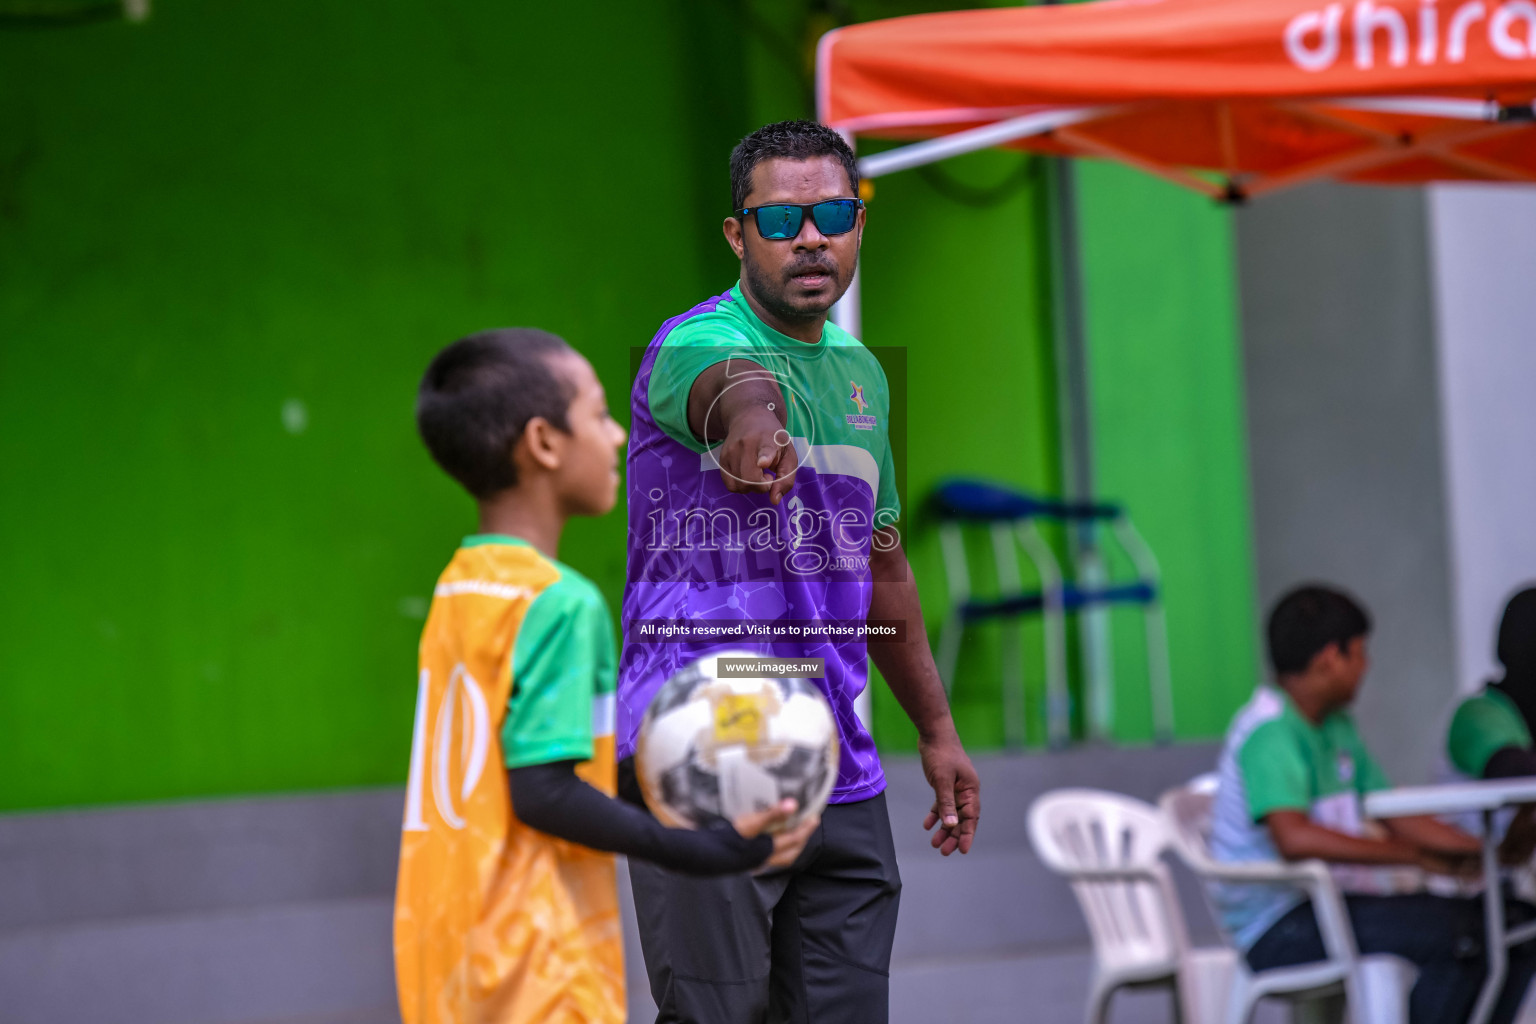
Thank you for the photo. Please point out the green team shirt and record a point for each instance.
(1291, 764)
(836, 389)
(563, 671)
(1275, 759)
(1483, 725)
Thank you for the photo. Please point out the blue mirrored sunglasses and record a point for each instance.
(783, 220)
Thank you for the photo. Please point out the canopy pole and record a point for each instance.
(1075, 412)
(969, 141)
(1075, 427)
(846, 314)
(1070, 357)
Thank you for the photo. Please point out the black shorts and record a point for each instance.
(811, 943)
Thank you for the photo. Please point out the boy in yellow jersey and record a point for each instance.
(506, 909)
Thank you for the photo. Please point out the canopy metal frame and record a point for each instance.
(1074, 127)
(1472, 121)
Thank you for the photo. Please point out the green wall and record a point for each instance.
(966, 287)
(954, 270)
(958, 269)
(1168, 426)
(230, 239)
(234, 209)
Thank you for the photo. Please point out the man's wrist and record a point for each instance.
(754, 413)
(938, 731)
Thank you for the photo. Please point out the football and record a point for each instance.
(713, 747)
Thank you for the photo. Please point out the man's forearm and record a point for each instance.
(729, 390)
(907, 666)
(910, 673)
(739, 406)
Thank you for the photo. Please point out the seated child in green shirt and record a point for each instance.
(1490, 733)
(1293, 773)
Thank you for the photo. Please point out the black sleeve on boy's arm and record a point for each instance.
(1510, 763)
(553, 799)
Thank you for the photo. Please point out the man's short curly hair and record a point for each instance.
(792, 140)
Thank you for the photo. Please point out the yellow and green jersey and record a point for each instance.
(494, 921)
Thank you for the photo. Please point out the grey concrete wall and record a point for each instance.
(62, 868)
(204, 912)
(1484, 252)
(278, 911)
(1344, 437)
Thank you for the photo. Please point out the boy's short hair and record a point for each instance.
(791, 140)
(1307, 621)
(477, 396)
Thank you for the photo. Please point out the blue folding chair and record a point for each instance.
(1012, 519)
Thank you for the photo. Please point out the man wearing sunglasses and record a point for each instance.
(762, 495)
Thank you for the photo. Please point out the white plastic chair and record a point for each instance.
(1375, 987)
(1109, 847)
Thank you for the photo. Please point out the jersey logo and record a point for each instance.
(1346, 767)
(859, 421)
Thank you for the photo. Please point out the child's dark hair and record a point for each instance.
(1307, 621)
(477, 396)
(794, 140)
(1517, 634)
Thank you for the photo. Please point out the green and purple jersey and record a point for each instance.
(710, 569)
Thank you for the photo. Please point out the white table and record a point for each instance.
(1485, 798)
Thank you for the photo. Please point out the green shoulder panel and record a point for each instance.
(691, 348)
(1277, 775)
(887, 497)
(1483, 725)
(562, 658)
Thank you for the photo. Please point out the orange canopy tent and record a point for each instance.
(1230, 97)
(1233, 98)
